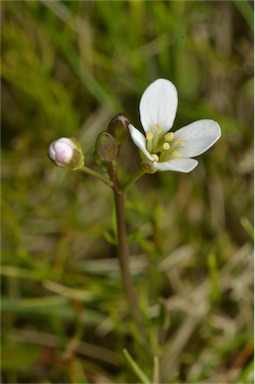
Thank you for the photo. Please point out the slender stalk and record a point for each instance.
(133, 179)
(97, 175)
(123, 252)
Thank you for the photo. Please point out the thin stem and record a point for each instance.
(123, 252)
(97, 175)
(133, 179)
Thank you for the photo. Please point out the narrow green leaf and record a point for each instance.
(136, 368)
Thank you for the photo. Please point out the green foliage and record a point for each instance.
(67, 68)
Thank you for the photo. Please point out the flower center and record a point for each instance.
(162, 148)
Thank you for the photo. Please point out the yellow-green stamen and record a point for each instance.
(155, 157)
(158, 128)
(179, 143)
(175, 154)
(149, 135)
(169, 136)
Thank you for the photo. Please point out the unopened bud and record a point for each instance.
(66, 152)
(118, 128)
(106, 147)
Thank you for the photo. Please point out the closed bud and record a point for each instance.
(118, 128)
(106, 147)
(66, 152)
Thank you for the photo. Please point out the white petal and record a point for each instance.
(139, 140)
(158, 105)
(52, 152)
(63, 151)
(178, 165)
(57, 146)
(198, 137)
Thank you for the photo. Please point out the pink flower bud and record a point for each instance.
(66, 152)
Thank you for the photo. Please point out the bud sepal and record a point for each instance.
(106, 147)
(118, 128)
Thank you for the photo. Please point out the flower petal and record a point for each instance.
(61, 150)
(158, 105)
(139, 140)
(198, 137)
(178, 165)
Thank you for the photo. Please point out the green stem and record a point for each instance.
(133, 179)
(97, 175)
(123, 252)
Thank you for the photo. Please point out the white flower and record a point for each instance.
(160, 149)
(66, 152)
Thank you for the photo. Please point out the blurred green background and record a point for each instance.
(67, 68)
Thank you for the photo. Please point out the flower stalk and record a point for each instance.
(123, 251)
(136, 176)
(97, 175)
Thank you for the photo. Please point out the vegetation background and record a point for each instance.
(67, 68)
